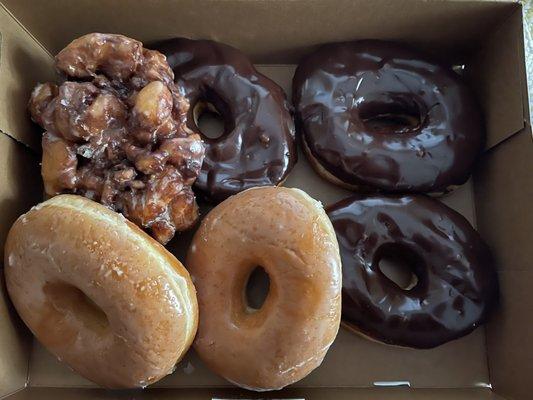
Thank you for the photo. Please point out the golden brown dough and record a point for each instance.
(117, 56)
(99, 293)
(120, 136)
(287, 233)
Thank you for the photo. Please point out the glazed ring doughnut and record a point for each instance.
(379, 116)
(289, 235)
(99, 293)
(454, 286)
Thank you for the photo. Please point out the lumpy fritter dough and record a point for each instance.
(115, 132)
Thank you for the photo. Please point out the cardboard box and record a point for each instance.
(494, 362)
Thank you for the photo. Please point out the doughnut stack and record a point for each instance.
(125, 164)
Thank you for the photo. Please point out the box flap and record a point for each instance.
(19, 189)
(14, 347)
(497, 73)
(23, 63)
(20, 183)
(504, 181)
(509, 337)
(449, 26)
(503, 187)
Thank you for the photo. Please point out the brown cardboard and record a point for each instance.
(23, 62)
(497, 76)
(485, 35)
(505, 183)
(18, 180)
(14, 347)
(351, 362)
(509, 337)
(271, 30)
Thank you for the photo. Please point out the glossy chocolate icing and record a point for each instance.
(435, 128)
(457, 283)
(257, 147)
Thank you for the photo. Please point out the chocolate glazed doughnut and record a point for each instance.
(378, 116)
(257, 147)
(456, 284)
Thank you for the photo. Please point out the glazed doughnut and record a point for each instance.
(455, 286)
(99, 293)
(287, 233)
(378, 116)
(257, 147)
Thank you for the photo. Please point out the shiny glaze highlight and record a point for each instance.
(287, 233)
(258, 146)
(457, 283)
(340, 87)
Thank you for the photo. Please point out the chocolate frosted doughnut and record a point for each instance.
(456, 284)
(380, 116)
(257, 147)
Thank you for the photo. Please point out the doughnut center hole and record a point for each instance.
(390, 117)
(257, 288)
(71, 301)
(400, 265)
(212, 115)
(209, 121)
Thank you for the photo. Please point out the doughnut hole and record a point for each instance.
(400, 265)
(391, 114)
(256, 289)
(212, 116)
(72, 302)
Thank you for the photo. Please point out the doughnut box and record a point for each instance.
(483, 40)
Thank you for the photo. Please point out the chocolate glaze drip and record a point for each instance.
(257, 147)
(457, 283)
(431, 128)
